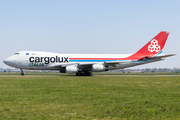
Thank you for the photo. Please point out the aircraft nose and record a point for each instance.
(8, 61)
(4, 61)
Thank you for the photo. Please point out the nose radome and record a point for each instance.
(4, 61)
(8, 61)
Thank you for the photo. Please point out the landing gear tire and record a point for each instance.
(22, 74)
(81, 74)
(90, 73)
(77, 74)
(84, 74)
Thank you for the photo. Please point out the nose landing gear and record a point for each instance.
(22, 74)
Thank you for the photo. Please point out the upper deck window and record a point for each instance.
(16, 53)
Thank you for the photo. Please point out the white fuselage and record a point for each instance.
(35, 60)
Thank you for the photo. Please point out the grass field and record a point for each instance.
(58, 96)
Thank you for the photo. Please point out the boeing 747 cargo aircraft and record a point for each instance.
(85, 64)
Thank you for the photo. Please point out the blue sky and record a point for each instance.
(89, 26)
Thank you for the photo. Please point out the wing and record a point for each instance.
(88, 66)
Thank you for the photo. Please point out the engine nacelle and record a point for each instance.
(72, 69)
(98, 68)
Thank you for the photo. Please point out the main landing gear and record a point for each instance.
(22, 74)
(89, 73)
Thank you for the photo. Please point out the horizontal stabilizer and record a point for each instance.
(157, 57)
(162, 56)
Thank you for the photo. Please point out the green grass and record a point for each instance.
(71, 97)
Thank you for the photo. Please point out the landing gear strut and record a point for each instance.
(22, 74)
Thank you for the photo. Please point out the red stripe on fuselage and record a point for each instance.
(127, 58)
(97, 58)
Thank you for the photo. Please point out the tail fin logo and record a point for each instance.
(154, 46)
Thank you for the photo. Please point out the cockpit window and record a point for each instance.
(16, 53)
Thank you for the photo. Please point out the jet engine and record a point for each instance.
(69, 69)
(72, 69)
(99, 68)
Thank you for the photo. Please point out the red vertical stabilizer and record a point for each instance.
(153, 47)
